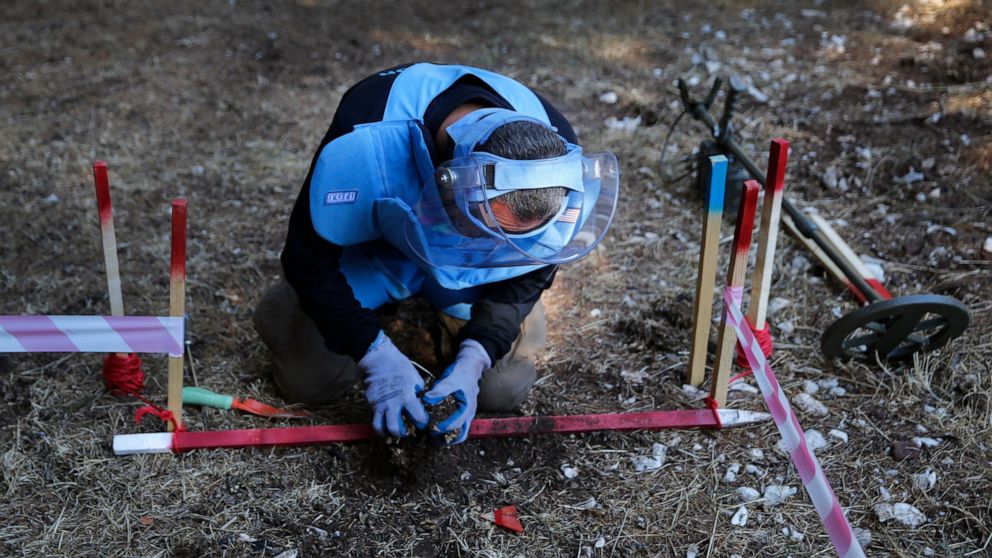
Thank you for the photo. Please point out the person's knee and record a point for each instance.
(505, 386)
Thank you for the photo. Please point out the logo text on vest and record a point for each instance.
(346, 196)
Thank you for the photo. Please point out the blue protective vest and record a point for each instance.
(365, 181)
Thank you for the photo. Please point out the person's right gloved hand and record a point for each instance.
(392, 388)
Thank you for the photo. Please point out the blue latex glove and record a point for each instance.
(392, 388)
(460, 380)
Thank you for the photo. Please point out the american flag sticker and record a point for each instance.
(345, 196)
(569, 216)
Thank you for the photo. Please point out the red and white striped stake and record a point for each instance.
(177, 304)
(810, 471)
(106, 211)
(736, 275)
(771, 213)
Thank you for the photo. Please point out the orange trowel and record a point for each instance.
(207, 398)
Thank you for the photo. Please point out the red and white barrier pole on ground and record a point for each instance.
(810, 471)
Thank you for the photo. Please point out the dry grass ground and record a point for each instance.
(223, 102)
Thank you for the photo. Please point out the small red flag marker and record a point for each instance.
(505, 517)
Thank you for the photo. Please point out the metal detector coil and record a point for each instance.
(886, 328)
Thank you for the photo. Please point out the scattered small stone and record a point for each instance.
(926, 480)
(757, 454)
(864, 536)
(839, 434)
(644, 463)
(775, 494)
(987, 246)
(829, 178)
(828, 383)
(752, 469)
(693, 392)
(466, 476)
(902, 512)
(838, 391)
(978, 53)
(609, 98)
(757, 94)
(793, 535)
(910, 177)
(291, 553)
(600, 542)
(777, 303)
(748, 494)
(569, 471)
(815, 440)
(787, 327)
(740, 517)
(732, 471)
(692, 551)
(743, 386)
(626, 125)
(809, 404)
(925, 441)
(595, 313)
(811, 387)
(921, 429)
(712, 67)
(52, 198)
(884, 493)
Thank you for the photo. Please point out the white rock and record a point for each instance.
(465, 476)
(902, 512)
(51, 198)
(978, 53)
(743, 387)
(793, 535)
(777, 303)
(987, 246)
(600, 542)
(712, 66)
(757, 454)
(757, 95)
(595, 313)
(732, 471)
(692, 551)
(884, 493)
(828, 383)
(740, 517)
(809, 404)
(838, 391)
(875, 266)
(839, 434)
(753, 470)
(609, 98)
(925, 441)
(627, 125)
(644, 463)
(693, 392)
(291, 553)
(815, 440)
(811, 387)
(910, 177)
(926, 480)
(569, 471)
(829, 178)
(775, 494)
(748, 494)
(864, 536)
(787, 327)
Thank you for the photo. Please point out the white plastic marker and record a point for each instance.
(817, 486)
(91, 334)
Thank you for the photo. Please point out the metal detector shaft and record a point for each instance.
(807, 228)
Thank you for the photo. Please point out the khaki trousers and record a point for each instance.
(307, 372)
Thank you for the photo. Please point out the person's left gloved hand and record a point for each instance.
(460, 380)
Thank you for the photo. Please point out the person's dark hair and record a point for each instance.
(524, 140)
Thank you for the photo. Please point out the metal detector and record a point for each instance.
(885, 327)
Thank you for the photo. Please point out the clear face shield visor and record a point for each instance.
(487, 211)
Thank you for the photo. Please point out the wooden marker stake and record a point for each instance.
(177, 304)
(736, 275)
(771, 214)
(709, 249)
(106, 211)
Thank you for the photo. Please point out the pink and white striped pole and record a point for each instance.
(91, 334)
(817, 486)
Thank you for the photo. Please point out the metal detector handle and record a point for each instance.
(736, 87)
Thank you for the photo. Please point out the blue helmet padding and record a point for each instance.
(417, 85)
(514, 174)
(475, 127)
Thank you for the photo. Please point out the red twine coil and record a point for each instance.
(122, 374)
(764, 337)
(712, 405)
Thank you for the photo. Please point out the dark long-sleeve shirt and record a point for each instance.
(312, 264)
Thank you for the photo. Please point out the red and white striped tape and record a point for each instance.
(817, 486)
(91, 334)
